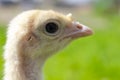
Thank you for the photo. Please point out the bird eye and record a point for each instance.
(51, 27)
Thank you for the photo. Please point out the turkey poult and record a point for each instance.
(35, 35)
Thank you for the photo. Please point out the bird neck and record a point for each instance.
(23, 68)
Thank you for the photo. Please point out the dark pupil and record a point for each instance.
(51, 27)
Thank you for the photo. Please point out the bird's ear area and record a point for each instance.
(30, 38)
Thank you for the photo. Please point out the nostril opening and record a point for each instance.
(79, 26)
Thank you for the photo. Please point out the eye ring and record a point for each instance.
(52, 27)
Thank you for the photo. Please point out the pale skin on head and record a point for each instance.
(35, 35)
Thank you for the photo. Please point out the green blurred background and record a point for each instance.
(96, 57)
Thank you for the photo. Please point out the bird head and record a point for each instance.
(46, 32)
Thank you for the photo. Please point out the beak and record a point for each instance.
(77, 30)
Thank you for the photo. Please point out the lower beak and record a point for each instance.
(77, 30)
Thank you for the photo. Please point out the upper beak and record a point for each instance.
(76, 30)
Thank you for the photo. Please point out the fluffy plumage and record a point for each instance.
(35, 35)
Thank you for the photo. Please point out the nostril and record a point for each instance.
(79, 26)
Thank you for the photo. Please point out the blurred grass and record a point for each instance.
(92, 58)
(2, 41)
